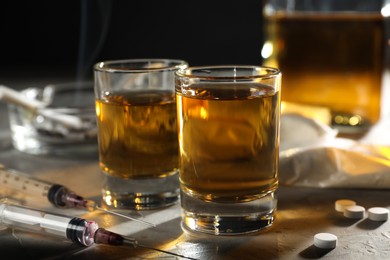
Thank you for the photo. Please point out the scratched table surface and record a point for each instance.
(302, 212)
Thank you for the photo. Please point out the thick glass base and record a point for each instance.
(140, 194)
(228, 218)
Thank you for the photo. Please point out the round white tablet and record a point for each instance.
(378, 214)
(325, 240)
(340, 205)
(354, 211)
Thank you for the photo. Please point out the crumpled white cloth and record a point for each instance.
(312, 156)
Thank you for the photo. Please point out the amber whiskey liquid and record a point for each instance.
(330, 60)
(137, 134)
(228, 138)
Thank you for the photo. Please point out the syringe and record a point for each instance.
(78, 230)
(58, 195)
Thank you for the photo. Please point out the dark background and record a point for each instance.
(65, 38)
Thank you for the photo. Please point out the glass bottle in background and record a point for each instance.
(332, 56)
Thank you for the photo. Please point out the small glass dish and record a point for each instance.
(65, 123)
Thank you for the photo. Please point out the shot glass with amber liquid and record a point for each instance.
(228, 129)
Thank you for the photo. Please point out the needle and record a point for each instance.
(125, 216)
(127, 241)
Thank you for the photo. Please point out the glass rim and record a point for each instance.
(113, 65)
(187, 72)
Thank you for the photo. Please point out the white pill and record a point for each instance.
(378, 214)
(354, 211)
(340, 205)
(325, 240)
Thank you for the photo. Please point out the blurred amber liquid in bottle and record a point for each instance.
(330, 59)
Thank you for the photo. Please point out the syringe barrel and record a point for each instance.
(15, 183)
(75, 229)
